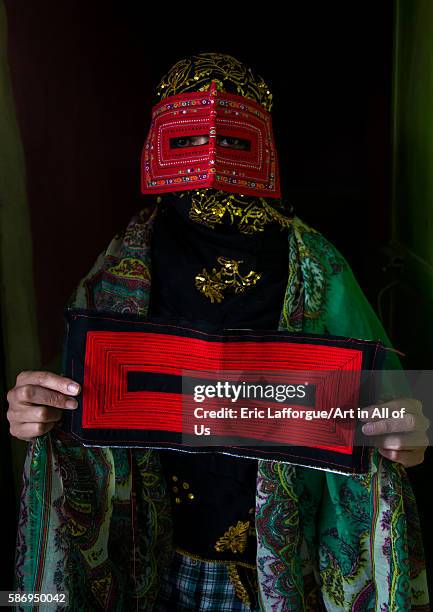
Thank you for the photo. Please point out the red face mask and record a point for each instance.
(210, 139)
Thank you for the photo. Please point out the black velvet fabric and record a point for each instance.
(181, 248)
(223, 486)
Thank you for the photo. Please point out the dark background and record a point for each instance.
(83, 75)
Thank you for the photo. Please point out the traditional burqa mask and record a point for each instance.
(210, 157)
(211, 129)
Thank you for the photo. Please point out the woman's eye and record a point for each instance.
(230, 142)
(188, 141)
(234, 143)
(183, 142)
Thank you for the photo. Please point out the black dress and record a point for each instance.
(213, 494)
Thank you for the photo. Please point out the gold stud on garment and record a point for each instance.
(185, 485)
(175, 489)
(191, 496)
(177, 500)
(175, 478)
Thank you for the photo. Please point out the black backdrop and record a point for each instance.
(83, 75)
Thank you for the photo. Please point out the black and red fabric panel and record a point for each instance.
(137, 377)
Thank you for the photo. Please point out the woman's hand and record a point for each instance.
(402, 439)
(36, 403)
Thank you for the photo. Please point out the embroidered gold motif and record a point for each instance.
(240, 590)
(212, 284)
(209, 208)
(196, 72)
(234, 539)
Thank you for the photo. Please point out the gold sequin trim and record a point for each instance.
(186, 553)
(196, 73)
(234, 539)
(213, 284)
(210, 208)
(240, 590)
(181, 488)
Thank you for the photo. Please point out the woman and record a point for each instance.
(157, 530)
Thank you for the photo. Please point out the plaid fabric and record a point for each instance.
(190, 584)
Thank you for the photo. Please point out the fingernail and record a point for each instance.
(368, 428)
(71, 404)
(73, 388)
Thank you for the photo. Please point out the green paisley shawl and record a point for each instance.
(96, 522)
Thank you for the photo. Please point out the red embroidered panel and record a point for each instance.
(250, 170)
(139, 380)
(111, 356)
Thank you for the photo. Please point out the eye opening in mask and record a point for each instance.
(227, 142)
